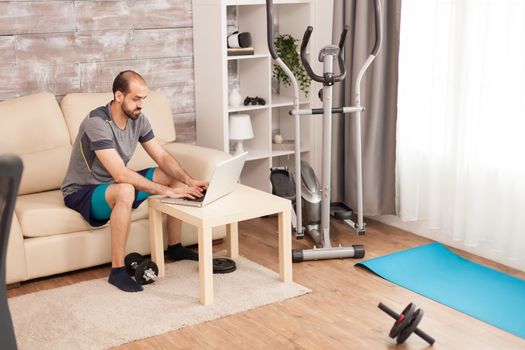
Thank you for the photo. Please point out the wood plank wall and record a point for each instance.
(79, 46)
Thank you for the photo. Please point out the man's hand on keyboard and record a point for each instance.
(183, 192)
(197, 184)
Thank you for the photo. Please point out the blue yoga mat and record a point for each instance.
(437, 273)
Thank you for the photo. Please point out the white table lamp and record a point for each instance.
(240, 130)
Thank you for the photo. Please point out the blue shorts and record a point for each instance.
(90, 201)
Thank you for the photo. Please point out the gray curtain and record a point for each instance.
(378, 96)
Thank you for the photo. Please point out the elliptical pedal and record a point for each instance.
(340, 211)
(283, 184)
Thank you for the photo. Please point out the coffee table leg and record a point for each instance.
(205, 265)
(156, 239)
(285, 246)
(232, 240)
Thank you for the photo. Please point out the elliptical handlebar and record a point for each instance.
(379, 35)
(304, 59)
(306, 39)
(341, 76)
(269, 28)
(340, 57)
(306, 64)
(295, 85)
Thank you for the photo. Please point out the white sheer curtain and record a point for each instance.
(461, 122)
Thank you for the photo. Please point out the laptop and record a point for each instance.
(223, 181)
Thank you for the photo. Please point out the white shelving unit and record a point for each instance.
(253, 73)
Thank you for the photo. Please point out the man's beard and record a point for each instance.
(131, 114)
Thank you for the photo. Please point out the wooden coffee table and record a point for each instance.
(242, 204)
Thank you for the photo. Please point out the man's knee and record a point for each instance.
(123, 193)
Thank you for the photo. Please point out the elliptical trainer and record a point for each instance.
(327, 55)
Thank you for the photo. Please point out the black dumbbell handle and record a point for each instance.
(417, 331)
(150, 274)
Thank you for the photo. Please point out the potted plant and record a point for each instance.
(286, 46)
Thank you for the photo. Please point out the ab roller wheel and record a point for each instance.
(406, 323)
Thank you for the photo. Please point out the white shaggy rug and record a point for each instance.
(96, 315)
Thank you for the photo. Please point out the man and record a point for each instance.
(99, 185)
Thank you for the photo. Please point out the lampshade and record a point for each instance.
(240, 127)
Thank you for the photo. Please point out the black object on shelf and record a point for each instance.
(254, 101)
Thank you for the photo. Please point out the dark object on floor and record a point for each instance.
(223, 265)
(145, 271)
(406, 323)
(10, 173)
(340, 211)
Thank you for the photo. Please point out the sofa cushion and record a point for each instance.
(45, 171)
(34, 128)
(44, 214)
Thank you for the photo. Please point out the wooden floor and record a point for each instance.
(340, 313)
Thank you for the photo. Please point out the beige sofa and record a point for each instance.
(47, 237)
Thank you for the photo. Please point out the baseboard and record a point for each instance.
(14, 285)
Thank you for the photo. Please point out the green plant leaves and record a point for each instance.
(286, 47)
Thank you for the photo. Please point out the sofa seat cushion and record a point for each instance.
(45, 214)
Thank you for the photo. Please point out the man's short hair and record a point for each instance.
(121, 82)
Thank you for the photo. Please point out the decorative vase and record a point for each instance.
(235, 98)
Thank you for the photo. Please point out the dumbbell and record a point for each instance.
(145, 271)
(406, 323)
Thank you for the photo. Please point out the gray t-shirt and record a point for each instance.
(98, 131)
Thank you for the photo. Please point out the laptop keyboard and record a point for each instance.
(200, 199)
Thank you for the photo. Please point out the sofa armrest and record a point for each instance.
(199, 162)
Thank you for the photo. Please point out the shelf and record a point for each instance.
(247, 57)
(284, 101)
(255, 154)
(243, 108)
(281, 153)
